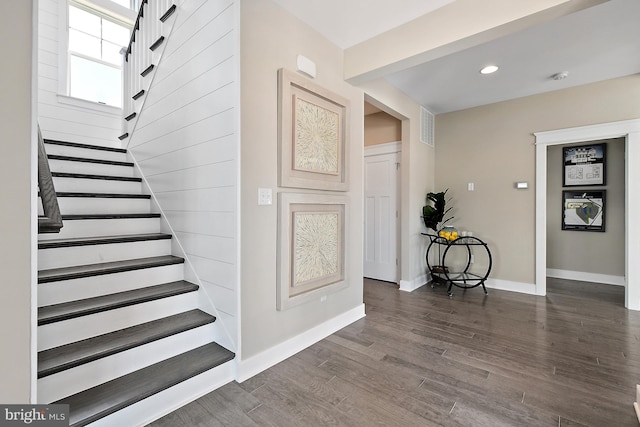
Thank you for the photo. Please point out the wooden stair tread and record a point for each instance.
(78, 217)
(70, 310)
(103, 195)
(99, 177)
(79, 271)
(89, 160)
(78, 353)
(86, 146)
(97, 402)
(103, 240)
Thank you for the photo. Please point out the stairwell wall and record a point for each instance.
(62, 117)
(186, 143)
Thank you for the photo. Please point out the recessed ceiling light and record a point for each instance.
(489, 69)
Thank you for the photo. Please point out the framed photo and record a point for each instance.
(583, 210)
(584, 165)
(312, 246)
(313, 126)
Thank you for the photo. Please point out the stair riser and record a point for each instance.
(104, 227)
(62, 150)
(93, 254)
(68, 331)
(89, 287)
(71, 381)
(167, 401)
(89, 168)
(80, 185)
(98, 205)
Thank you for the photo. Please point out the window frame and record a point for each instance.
(106, 9)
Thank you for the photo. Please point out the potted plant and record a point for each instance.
(434, 211)
(433, 214)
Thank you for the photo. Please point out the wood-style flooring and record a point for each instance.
(571, 358)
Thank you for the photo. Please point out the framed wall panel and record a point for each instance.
(312, 246)
(313, 128)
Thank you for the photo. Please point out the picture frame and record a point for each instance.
(583, 210)
(584, 165)
(313, 134)
(312, 246)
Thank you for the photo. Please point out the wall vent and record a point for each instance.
(427, 125)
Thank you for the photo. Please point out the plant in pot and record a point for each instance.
(433, 213)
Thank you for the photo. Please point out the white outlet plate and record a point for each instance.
(265, 196)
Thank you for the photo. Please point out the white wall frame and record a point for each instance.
(630, 131)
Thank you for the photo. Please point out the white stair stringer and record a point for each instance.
(74, 380)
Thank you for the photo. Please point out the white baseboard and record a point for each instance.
(586, 277)
(258, 363)
(412, 285)
(508, 285)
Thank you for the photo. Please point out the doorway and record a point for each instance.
(382, 140)
(381, 178)
(575, 241)
(629, 130)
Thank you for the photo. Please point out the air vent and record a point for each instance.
(427, 125)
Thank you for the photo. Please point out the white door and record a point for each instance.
(381, 212)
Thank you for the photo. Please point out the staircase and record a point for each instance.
(121, 338)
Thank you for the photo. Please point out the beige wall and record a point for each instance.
(493, 147)
(15, 183)
(380, 128)
(417, 174)
(579, 250)
(271, 39)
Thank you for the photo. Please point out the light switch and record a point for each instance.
(470, 186)
(265, 196)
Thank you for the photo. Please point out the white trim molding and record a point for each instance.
(508, 285)
(630, 131)
(276, 354)
(583, 276)
(412, 285)
(380, 149)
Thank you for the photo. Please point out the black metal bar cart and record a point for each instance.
(463, 278)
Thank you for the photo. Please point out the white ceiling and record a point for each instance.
(594, 44)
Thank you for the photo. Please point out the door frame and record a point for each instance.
(630, 131)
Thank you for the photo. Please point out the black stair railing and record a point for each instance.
(51, 222)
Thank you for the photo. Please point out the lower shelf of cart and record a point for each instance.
(461, 278)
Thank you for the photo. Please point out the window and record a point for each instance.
(95, 62)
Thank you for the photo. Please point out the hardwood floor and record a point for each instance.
(421, 359)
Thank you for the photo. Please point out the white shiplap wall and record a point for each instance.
(73, 120)
(186, 144)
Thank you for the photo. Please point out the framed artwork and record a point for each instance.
(313, 132)
(583, 210)
(584, 165)
(311, 246)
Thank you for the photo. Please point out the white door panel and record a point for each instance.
(380, 242)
